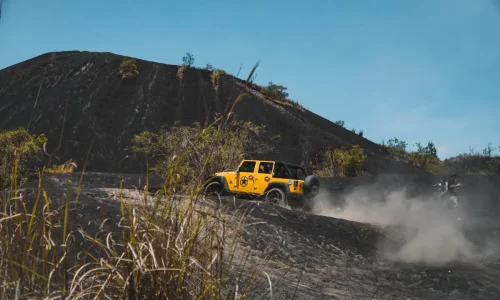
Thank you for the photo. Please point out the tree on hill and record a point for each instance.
(188, 60)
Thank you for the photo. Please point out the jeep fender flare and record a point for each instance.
(220, 179)
(280, 185)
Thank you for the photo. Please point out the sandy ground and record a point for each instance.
(366, 251)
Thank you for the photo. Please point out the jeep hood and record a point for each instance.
(225, 173)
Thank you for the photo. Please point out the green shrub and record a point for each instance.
(128, 67)
(275, 91)
(196, 152)
(341, 162)
(168, 247)
(18, 149)
(474, 163)
(426, 158)
(397, 147)
(493, 165)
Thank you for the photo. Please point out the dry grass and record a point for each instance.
(67, 167)
(215, 76)
(180, 72)
(341, 162)
(128, 67)
(161, 249)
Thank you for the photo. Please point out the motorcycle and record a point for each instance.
(447, 198)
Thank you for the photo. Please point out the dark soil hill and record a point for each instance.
(83, 102)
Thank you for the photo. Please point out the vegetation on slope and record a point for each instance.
(478, 163)
(169, 247)
(193, 153)
(341, 162)
(475, 163)
(18, 150)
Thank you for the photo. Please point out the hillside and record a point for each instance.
(83, 102)
(119, 235)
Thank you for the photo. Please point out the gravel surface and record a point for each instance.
(326, 257)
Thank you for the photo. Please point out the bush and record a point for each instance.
(188, 60)
(128, 67)
(474, 163)
(168, 247)
(426, 158)
(397, 147)
(341, 162)
(18, 149)
(209, 67)
(493, 165)
(275, 91)
(67, 167)
(340, 123)
(196, 152)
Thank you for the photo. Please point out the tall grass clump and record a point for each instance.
(188, 155)
(128, 67)
(166, 246)
(18, 150)
(67, 167)
(341, 162)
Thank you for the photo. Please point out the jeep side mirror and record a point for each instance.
(237, 169)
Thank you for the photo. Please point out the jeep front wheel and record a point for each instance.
(213, 189)
(276, 196)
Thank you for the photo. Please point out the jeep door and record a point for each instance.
(263, 176)
(245, 176)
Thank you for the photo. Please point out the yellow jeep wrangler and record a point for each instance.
(273, 181)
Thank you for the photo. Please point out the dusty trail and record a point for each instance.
(350, 260)
(406, 253)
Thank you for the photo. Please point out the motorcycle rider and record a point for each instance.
(450, 186)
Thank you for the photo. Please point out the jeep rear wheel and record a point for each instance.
(311, 185)
(314, 191)
(276, 196)
(213, 189)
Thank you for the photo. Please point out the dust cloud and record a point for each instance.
(418, 229)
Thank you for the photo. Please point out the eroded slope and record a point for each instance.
(79, 100)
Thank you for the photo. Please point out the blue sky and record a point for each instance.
(416, 70)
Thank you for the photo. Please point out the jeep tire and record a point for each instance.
(276, 196)
(214, 188)
(311, 186)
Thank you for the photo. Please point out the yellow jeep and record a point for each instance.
(273, 181)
